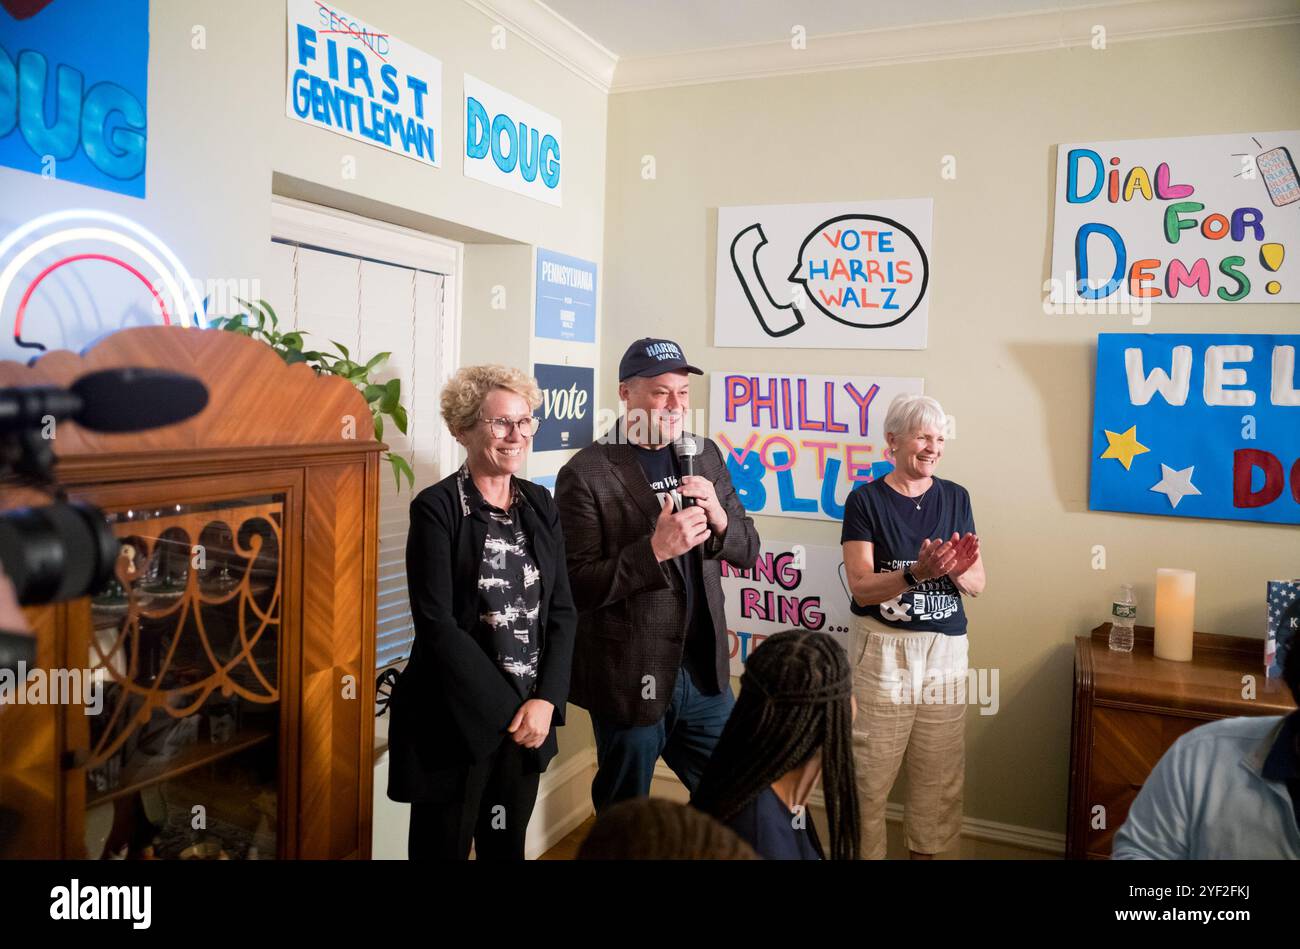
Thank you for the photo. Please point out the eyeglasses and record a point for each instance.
(501, 426)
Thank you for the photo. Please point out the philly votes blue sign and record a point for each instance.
(1197, 425)
(74, 83)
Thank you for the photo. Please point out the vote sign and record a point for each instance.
(566, 410)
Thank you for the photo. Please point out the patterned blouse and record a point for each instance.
(509, 586)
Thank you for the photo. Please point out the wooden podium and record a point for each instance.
(235, 647)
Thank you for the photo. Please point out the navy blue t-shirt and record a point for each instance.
(767, 825)
(889, 520)
(662, 471)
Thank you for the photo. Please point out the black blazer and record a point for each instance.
(633, 620)
(452, 704)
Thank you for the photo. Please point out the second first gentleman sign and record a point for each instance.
(358, 81)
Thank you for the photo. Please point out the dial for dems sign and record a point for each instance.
(1178, 220)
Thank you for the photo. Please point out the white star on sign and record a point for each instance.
(1175, 484)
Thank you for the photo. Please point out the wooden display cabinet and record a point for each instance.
(1130, 707)
(233, 650)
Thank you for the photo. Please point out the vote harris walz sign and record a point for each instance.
(1197, 425)
(566, 411)
(74, 91)
(355, 80)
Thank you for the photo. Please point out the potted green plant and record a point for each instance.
(260, 322)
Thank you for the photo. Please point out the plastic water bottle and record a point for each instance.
(1123, 612)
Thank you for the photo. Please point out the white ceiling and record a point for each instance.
(634, 28)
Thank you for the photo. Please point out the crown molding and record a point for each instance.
(1021, 33)
(558, 38)
(540, 26)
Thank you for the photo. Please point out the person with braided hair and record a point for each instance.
(792, 724)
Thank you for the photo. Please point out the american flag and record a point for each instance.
(1283, 623)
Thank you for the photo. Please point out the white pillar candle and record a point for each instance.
(1175, 613)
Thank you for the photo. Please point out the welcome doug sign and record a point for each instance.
(1197, 425)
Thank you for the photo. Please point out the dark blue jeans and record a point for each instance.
(685, 737)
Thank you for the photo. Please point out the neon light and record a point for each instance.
(22, 305)
(194, 306)
(84, 233)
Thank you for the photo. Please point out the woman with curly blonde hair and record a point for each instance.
(475, 711)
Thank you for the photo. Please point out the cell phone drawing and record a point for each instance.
(1278, 170)
(777, 319)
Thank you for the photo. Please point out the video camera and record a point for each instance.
(67, 549)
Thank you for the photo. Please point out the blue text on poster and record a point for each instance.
(566, 297)
(1197, 425)
(74, 91)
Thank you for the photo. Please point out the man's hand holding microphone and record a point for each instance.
(676, 532)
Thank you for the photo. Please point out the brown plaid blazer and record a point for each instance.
(632, 620)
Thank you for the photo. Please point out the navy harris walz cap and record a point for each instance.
(653, 357)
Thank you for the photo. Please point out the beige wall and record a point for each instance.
(218, 131)
(218, 134)
(1018, 382)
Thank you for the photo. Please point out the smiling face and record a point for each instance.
(915, 455)
(656, 406)
(487, 455)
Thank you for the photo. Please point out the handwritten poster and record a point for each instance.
(792, 586)
(1211, 219)
(510, 144)
(847, 275)
(566, 297)
(796, 444)
(356, 80)
(74, 91)
(1197, 425)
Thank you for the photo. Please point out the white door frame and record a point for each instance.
(314, 225)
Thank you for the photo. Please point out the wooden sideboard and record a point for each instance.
(236, 642)
(1130, 707)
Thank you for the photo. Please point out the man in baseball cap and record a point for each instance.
(652, 357)
(644, 542)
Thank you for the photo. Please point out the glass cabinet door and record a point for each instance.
(185, 653)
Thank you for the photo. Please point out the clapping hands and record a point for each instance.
(951, 557)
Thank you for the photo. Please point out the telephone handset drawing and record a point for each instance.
(776, 319)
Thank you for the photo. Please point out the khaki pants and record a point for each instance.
(911, 694)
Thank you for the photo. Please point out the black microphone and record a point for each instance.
(111, 400)
(686, 450)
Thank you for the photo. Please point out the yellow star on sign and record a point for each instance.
(1124, 447)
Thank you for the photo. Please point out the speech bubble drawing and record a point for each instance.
(862, 270)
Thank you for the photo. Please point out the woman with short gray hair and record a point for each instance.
(911, 554)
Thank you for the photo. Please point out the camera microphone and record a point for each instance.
(111, 400)
(68, 549)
